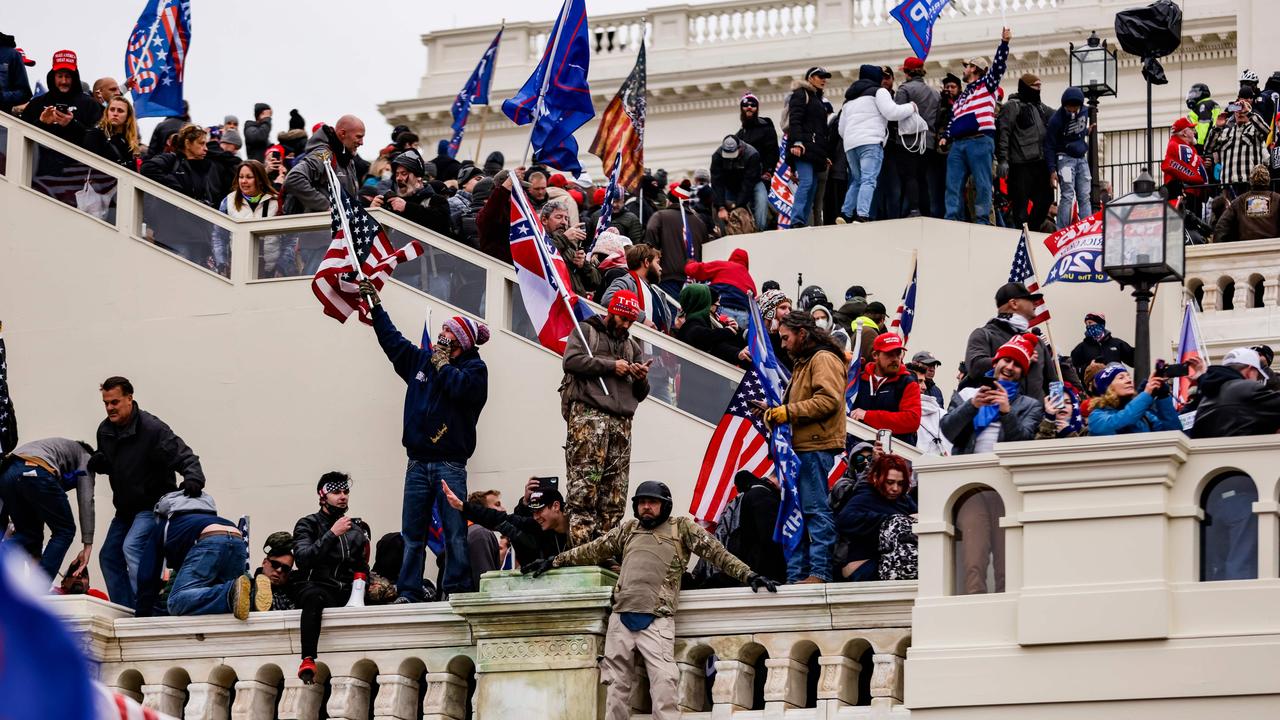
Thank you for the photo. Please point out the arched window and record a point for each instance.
(1256, 287)
(978, 542)
(1196, 288)
(1229, 531)
(1226, 294)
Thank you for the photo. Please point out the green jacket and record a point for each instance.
(693, 540)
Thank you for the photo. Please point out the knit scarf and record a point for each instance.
(988, 414)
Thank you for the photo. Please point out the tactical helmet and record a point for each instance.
(812, 295)
(653, 490)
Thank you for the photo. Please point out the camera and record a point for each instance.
(1171, 370)
(1234, 107)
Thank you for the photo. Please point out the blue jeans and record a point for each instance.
(1074, 183)
(806, 186)
(203, 583)
(813, 555)
(760, 206)
(970, 157)
(739, 316)
(121, 554)
(33, 498)
(422, 491)
(864, 169)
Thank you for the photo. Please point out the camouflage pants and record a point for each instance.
(597, 457)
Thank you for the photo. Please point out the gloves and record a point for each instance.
(1002, 169)
(776, 415)
(537, 567)
(191, 488)
(99, 464)
(440, 355)
(756, 581)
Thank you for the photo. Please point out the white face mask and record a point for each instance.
(1018, 322)
(386, 175)
(823, 322)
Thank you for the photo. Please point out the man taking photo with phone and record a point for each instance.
(995, 409)
(605, 379)
(570, 241)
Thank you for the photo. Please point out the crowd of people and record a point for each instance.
(914, 150)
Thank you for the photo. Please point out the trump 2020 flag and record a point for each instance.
(789, 529)
(43, 673)
(782, 187)
(917, 18)
(475, 92)
(556, 97)
(156, 57)
(1077, 252)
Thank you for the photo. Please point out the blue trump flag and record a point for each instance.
(556, 97)
(917, 18)
(42, 671)
(156, 58)
(773, 378)
(475, 92)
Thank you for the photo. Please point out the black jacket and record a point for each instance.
(323, 557)
(733, 180)
(807, 125)
(1232, 405)
(530, 541)
(143, 457)
(257, 136)
(1110, 349)
(719, 341)
(167, 127)
(760, 134)
(200, 180)
(752, 542)
(427, 208)
(860, 519)
(86, 115)
(114, 148)
(1021, 127)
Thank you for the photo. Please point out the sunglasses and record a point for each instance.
(279, 566)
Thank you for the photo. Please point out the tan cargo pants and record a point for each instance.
(656, 645)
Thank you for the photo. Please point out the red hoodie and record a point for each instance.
(732, 272)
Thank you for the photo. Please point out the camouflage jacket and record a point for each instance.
(693, 540)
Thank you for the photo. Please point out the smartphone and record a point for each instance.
(1055, 393)
(549, 482)
(987, 382)
(60, 107)
(884, 441)
(1235, 107)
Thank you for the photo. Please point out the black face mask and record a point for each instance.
(332, 511)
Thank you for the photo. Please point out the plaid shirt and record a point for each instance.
(1238, 148)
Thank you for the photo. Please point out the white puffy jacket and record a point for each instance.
(865, 120)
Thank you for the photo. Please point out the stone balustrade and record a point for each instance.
(1238, 287)
(518, 644)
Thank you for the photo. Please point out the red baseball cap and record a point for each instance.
(25, 60)
(597, 197)
(887, 342)
(625, 304)
(1182, 123)
(912, 63)
(64, 60)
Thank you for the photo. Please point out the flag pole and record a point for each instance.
(546, 78)
(336, 192)
(1048, 329)
(484, 110)
(915, 257)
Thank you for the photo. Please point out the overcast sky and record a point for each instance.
(323, 57)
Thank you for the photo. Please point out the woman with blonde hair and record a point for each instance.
(1120, 409)
(115, 137)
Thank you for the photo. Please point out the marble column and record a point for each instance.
(254, 701)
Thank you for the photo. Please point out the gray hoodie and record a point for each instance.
(305, 185)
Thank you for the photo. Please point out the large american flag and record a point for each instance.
(738, 443)
(905, 317)
(1024, 271)
(621, 131)
(8, 421)
(357, 238)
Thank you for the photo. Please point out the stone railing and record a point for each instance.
(519, 644)
(1120, 557)
(1235, 276)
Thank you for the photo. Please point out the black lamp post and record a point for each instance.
(1093, 70)
(1142, 246)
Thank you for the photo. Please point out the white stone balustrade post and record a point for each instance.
(207, 701)
(163, 699)
(348, 698)
(833, 15)
(886, 680)
(784, 683)
(670, 29)
(397, 698)
(691, 688)
(446, 697)
(1271, 292)
(1209, 302)
(300, 701)
(839, 679)
(254, 701)
(1243, 292)
(733, 687)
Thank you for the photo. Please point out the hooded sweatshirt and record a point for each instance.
(1068, 132)
(86, 115)
(1021, 127)
(1233, 405)
(304, 182)
(868, 109)
(731, 278)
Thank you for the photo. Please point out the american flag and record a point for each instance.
(355, 234)
(1024, 271)
(782, 187)
(740, 442)
(620, 136)
(905, 316)
(8, 421)
(611, 193)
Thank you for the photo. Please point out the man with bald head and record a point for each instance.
(305, 184)
(105, 90)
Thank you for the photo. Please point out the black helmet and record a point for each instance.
(812, 295)
(653, 490)
(1197, 93)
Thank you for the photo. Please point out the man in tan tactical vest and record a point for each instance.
(655, 550)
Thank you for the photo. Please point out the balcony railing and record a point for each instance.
(1235, 275)
(806, 652)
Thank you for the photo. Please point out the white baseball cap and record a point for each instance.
(1244, 356)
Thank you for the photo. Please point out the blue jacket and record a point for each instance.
(441, 407)
(860, 519)
(15, 88)
(1067, 134)
(1142, 414)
